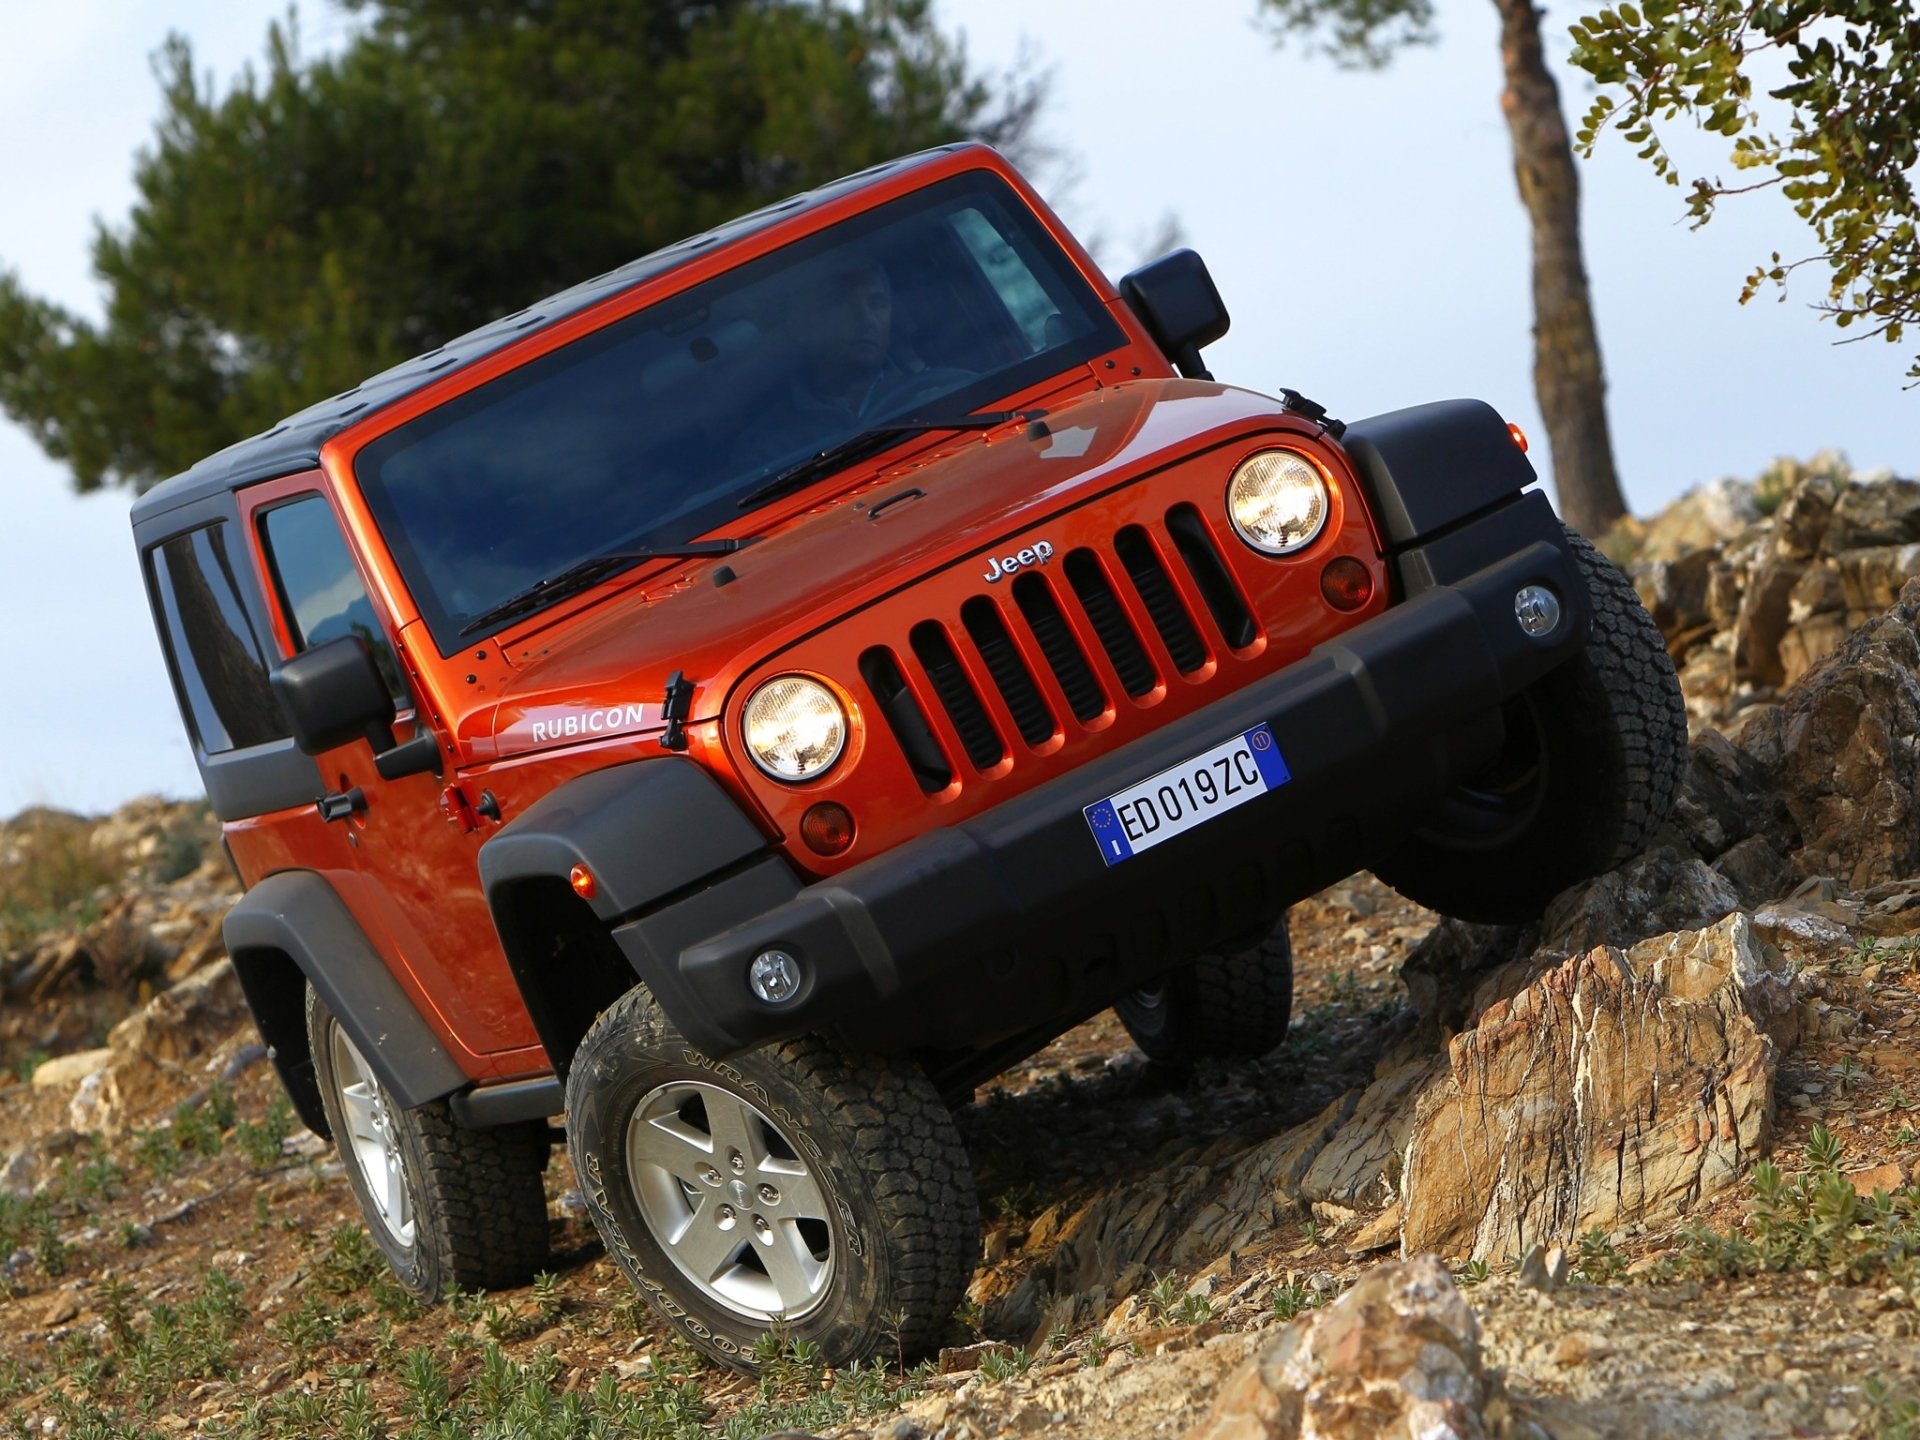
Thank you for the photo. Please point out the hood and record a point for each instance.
(946, 505)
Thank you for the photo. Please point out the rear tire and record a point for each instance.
(1235, 1005)
(1595, 755)
(798, 1185)
(447, 1206)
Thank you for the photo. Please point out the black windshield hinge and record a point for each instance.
(1295, 403)
(674, 711)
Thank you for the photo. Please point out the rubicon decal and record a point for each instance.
(573, 722)
(999, 566)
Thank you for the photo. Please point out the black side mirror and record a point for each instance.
(1175, 299)
(335, 694)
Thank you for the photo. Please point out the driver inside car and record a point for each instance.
(835, 326)
(842, 336)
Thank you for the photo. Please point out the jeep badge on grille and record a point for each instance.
(999, 566)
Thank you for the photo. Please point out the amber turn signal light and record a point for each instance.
(1519, 436)
(827, 828)
(1346, 583)
(584, 885)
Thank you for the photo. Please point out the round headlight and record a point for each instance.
(795, 728)
(1277, 501)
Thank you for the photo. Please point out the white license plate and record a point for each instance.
(1185, 795)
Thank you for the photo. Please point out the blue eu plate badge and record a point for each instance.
(1185, 795)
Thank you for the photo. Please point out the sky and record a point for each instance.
(1363, 228)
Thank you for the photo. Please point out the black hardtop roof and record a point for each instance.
(294, 444)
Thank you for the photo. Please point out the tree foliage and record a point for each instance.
(1357, 34)
(1837, 137)
(323, 219)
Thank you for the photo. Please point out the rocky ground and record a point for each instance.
(1663, 1144)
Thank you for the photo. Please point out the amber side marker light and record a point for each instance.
(827, 828)
(584, 885)
(1346, 583)
(1519, 436)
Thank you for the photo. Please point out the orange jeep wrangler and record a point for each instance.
(746, 700)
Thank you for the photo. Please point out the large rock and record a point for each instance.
(1618, 1086)
(1880, 512)
(1395, 1358)
(1800, 524)
(1848, 765)
(165, 1042)
(1703, 519)
(1656, 892)
(71, 1069)
(1763, 619)
(1675, 591)
(1871, 578)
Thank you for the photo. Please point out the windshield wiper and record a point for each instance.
(866, 442)
(584, 573)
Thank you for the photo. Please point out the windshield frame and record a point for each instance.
(1099, 333)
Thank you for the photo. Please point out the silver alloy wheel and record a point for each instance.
(730, 1200)
(371, 1139)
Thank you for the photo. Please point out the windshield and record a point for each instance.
(654, 429)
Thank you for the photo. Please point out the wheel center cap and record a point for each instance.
(741, 1194)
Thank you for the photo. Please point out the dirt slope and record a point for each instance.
(176, 1257)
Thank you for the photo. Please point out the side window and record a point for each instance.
(221, 668)
(319, 587)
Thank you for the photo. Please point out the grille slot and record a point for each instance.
(1010, 674)
(1164, 607)
(905, 718)
(971, 722)
(1064, 656)
(1228, 607)
(1110, 623)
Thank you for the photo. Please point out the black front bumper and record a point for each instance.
(1009, 927)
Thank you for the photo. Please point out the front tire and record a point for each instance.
(1595, 755)
(447, 1206)
(1233, 1006)
(799, 1185)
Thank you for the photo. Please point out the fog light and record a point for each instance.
(1346, 583)
(827, 828)
(774, 976)
(1537, 609)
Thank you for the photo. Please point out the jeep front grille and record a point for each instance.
(1057, 649)
(1150, 579)
(1209, 571)
(978, 736)
(1062, 652)
(988, 631)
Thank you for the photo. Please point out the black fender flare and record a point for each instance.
(647, 831)
(297, 915)
(1430, 467)
(1449, 486)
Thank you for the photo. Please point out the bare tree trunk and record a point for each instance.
(1567, 376)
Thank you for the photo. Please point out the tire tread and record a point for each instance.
(1616, 716)
(899, 1134)
(480, 1217)
(1235, 1004)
